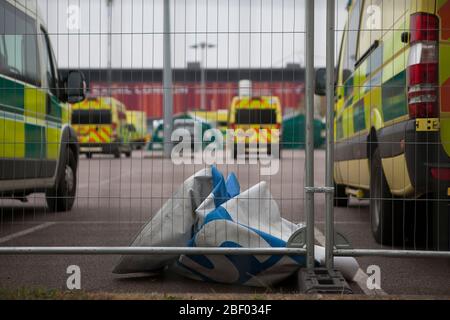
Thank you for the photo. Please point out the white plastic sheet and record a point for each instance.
(207, 211)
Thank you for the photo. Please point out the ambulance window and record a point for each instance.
(351, 41)
(393, 11)
(49, 64)
(3, 61)
(131, 128)
(256, 116)
(341, 58)
(371, 25)
(92, 117)
(400, 8)
(18, 49)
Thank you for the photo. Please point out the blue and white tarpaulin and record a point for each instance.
(209, 211)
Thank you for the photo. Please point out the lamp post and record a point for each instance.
(109, 4)
(203, 46)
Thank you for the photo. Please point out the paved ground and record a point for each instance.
(116, 197)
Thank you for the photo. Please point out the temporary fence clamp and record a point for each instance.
(322, 281)
(319, 189)
(298, 240)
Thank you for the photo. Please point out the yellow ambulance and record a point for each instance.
(256, 122)
(218, 119)
(101, 126)
(392, 120)
(137, 128)
(38, 148)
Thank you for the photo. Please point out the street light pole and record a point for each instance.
(202, 82)
(203, 46)
(109, 4)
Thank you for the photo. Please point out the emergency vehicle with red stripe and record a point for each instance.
(256, 124)
(101, 126)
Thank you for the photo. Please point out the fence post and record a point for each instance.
(329, 218)
(309, 148)
(167, 83)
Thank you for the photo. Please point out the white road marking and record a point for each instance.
(360, 277)
(26, 232)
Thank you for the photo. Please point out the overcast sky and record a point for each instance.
(246, 33)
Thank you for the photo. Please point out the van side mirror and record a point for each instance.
(321, 82)
(75, 87)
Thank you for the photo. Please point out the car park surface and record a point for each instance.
(116, 197)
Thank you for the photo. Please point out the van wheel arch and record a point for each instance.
(68, 141)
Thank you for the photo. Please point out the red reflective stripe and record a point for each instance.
(445, 96)
(441, 173)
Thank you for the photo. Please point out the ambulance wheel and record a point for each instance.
(89, 155)
(62, 196)
(116, 154)
(385, 212)
(128, 154)
(340, 197)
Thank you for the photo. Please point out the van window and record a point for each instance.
(18, 50)
(256, 116)
(393, 11)
(131, 127)
(91, 117)
(352, 41)
(50, 72)
(341, 59)
(371, 25)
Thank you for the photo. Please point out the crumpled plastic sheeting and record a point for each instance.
(211, 212)
(170, 227)
(249, 220)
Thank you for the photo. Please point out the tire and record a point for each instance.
(340, 197)
(128, 154)
(89, 155)
(62, 196)
(116, 153)
(385, 212)
(269, 151)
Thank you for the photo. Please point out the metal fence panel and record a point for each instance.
(358, 148)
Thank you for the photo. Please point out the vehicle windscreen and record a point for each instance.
(256, 116)
(91, 117)
(131, 128)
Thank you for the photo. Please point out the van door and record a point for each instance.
(347, 95)
(53, 110)
(22, 138)
(443, 11)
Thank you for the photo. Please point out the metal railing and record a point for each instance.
(309, 191)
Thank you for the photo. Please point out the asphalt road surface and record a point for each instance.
(116, 197)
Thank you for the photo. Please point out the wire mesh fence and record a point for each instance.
(191, 134)
(390, 135)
